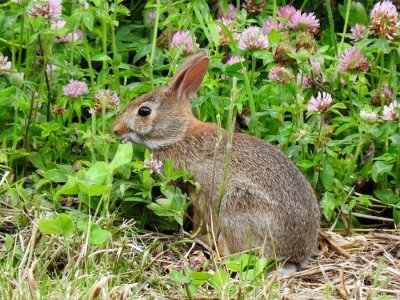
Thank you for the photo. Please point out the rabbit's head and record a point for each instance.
(161, 118)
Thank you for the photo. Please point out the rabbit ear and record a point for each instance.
(190, 74)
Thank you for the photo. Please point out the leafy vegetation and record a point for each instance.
(76, 204)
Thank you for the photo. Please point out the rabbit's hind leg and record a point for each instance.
(245, 219)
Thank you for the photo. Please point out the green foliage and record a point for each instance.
(249, 269)
(65, 142)
(57, 148)
(61, 225)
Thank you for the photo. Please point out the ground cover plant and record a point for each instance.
(83, 216)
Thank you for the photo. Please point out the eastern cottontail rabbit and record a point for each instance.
(267, 204)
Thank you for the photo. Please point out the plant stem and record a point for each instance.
(274, 5)
(353, 162)
(104, 35)
(114, 50)
(253, 68)
(91, 147)
(250, 96)
(346, 21)
(88, 56)
(154, 42)
(319, 144)
(382, 70)
(21, 42)
(331, 25)
(229, 143)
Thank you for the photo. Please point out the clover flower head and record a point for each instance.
(229, 14)
(268, 25)
(382, 95)
(352, 60)
(307, 42)
(4, 64)
(358, 32)
(280, 74)
(253, 38)
(304, 22)
(304, 79)
(315, 63)
(75, 88)
(286, 12)
(106, 98)
(55, 7)
(234, 60)
(391, 111)
(321, 103)
(154, 164)
(370, 117)
(57, 110)
(58, 24)
(150, 16)
(183, 39)
(50, 9)
(69, 37)
(254, 7)
(384, 19)
(282, 54)
(223, 38)
(51, 68)
(19, 76)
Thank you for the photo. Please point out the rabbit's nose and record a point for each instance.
(120, 128)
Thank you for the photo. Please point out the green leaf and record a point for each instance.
(220, 278)
(200, 276)
(379, 168)
(101, 57)
(50, 226)
(327, 176)
(168, 168)
(66, 224)
(395, 139)
(396, 215)
(382, 45)
(357, 14)
(61, 225)
(70, 188)
(88, 19)
(387, 196)
(94, 181)
(59, 174)
(122, 156)
(178, 277)
(99, 236)
(249, 275)
(328, 204)
(275, 36)
(305, 164)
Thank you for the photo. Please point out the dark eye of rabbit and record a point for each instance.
(144, 111)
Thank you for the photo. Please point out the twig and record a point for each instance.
(335, 246)
(369, 217)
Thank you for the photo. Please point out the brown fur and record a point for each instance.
(267, 204)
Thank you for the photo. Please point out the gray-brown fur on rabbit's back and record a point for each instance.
(267, 200)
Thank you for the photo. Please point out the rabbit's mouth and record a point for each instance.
(130, 138)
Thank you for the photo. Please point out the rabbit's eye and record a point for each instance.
(144, 111)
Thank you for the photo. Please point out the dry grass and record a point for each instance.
(364, 265)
